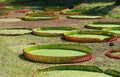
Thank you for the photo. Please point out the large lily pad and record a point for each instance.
(113, 53)
(102, 25)
(10, 20)
(75, 71)
(29, 18)
(87, 36)
(33, 16)
(116, 31)
(58, 53)
(14, 31)
(84, 17)
(52, 31)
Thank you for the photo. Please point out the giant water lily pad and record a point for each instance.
(58, 53)
(102, 25)
(75, 71)
(10, 20)
(87, 36)
(38, 13)
(14, 31)
(113, 54)
(84, 17)
(116, 31)
(33, 16)
(30, 18)
(52, 31)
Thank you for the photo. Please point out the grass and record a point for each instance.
(115, 13)
(11, 65)
(93, 8)
(72, 73)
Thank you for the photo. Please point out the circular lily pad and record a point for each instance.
(87, 36)
(10, 20)
(52, 31)
(38, 13)
(75, 71)
(102, 25)
(116, 31)
(58, 53)
(84, 17)
(113, 54)
(32, 18)
(14, 31)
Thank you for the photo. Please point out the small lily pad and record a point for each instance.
(14, 31)
(75, 71)
(84, 17)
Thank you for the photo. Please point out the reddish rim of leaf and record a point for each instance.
(110, 55)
